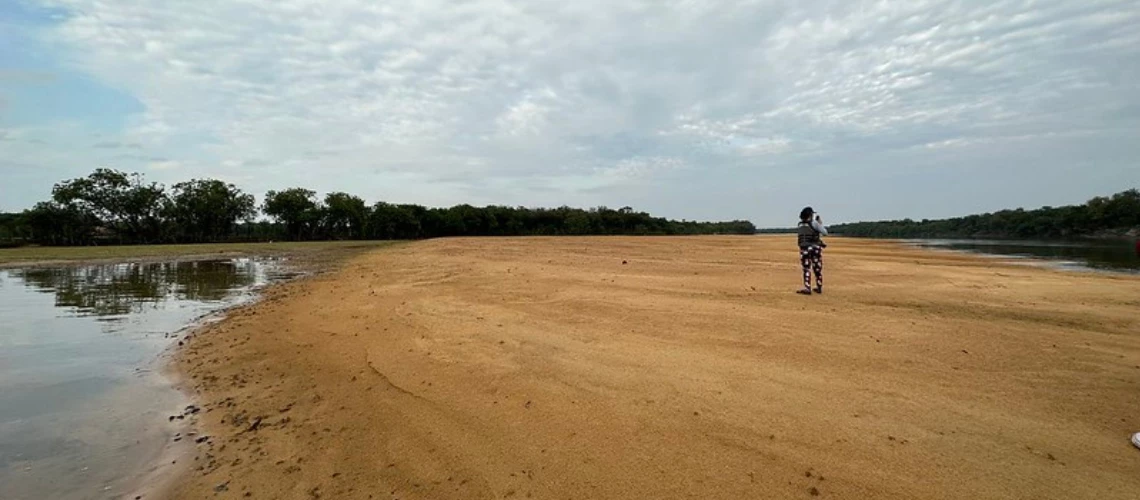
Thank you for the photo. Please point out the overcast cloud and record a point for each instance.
(688, 109)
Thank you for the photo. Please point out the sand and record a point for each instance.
(594, 368)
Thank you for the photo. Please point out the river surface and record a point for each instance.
(83, 406)
(1076, 256)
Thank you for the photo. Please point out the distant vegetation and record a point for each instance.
(1102, 217)
(112, 207)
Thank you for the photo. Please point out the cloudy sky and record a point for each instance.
(698, 109)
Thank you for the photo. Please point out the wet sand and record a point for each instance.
(670, 368)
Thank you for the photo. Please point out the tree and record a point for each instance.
(13, 229)
(1123, 209)
(395, 222)
(121, 202)
(99, 194)
(578, 222)
(203, 210)
(296, 208)
(345, 216)
(51, 223)
(140, 212)
(1100, 217)
(113, 206)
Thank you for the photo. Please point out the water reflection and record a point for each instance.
(1106, 256)
(80, 405)
(122, 289)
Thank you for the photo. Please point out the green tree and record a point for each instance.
(578, 222)
(1100, 216)
(12, 229)
(121, 202)
(297, 209)
(141, 211)
(395, 222)
(109, 205)
(51, 223)
(203, 210)
(345, 216)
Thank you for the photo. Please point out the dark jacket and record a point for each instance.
(808, 236)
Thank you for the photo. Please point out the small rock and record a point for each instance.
(624, 262)
(202, 439)
(814, 491)
(222, 487)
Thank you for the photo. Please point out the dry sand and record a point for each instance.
(671, 368)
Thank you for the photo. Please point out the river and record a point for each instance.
(1070, 255)
(83, 405)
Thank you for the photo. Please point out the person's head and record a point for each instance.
(806, 213)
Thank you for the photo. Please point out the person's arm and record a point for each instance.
(818, 226)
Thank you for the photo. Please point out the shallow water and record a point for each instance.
(1077, 256)
(82, 407)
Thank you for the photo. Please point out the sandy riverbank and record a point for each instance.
(548, 368)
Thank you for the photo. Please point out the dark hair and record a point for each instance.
(806, 213)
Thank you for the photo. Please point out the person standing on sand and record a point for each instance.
(811, 249)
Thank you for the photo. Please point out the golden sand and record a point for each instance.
(595, 368)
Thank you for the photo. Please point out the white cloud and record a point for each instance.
(163, 165)
(488, 99)
(631, 169)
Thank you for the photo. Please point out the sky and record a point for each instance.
(689, 109)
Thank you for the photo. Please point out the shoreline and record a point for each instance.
(427, 371)
(147, 254)
(157, 448)
(175, 460)
(153, 259)
(1029, 261)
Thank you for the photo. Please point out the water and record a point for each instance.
(1077, 256)
(82, 406)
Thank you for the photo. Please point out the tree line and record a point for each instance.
(113, 207)
(1101, 217)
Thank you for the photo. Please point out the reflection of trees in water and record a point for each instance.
(100, 290)
(1099, 256)
(117, 289)
(210, 280)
